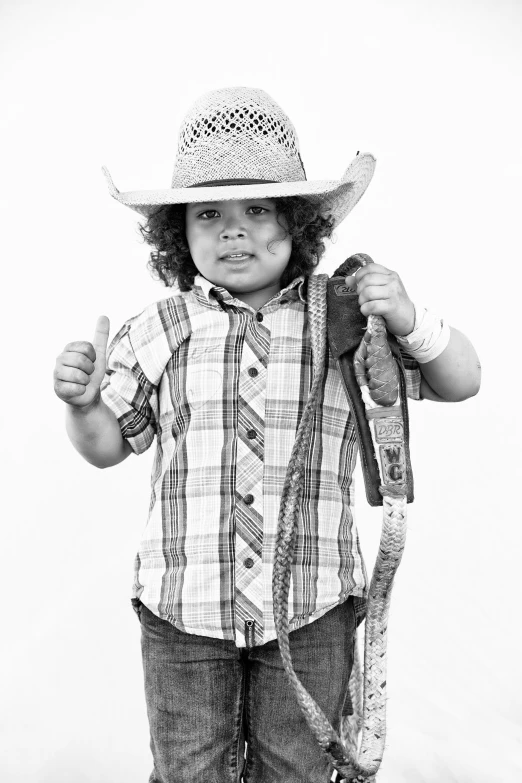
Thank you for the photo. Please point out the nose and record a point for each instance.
(232, 229)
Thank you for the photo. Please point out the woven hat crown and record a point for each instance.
(236, 133)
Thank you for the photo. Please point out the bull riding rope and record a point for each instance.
(357, 753)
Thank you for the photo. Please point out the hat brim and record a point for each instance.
(337, 197)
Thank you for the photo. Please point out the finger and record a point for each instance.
(72, 375)
(375, 307)
(371, 269)
(101, 335)
(81, 346)
(67, 391)
(351, 282)
(375, 278)
(374, 293)
(76, 359)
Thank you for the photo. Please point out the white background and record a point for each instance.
(433, 89)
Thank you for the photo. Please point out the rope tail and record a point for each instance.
(377, 375)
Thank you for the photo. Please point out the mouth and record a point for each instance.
(236, 257)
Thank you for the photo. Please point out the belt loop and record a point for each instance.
(250, 632)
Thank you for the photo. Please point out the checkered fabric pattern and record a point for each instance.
(222, 389)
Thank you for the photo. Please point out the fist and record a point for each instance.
(80, 368)
(381, 292)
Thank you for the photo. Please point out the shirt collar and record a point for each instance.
(213, 293)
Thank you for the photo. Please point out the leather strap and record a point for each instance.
(346, 326)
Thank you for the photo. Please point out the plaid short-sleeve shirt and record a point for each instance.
(222, 389)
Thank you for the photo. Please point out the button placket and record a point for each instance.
(249, 478)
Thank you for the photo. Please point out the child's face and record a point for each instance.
(230, 243)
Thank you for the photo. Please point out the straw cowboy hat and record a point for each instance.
(237, 143)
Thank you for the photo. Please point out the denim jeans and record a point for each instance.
(206, 697)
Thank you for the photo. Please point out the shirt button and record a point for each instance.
(248, 499)
(253, 372)
(259, 316)
(251, 434)
(248, 562)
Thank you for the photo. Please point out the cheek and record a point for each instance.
(284, 240)
(190, 236)
(286, 248)
(196, 240)
(278, 234)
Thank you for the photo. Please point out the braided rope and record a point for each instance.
(343, 755)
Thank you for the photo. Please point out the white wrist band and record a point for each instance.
(429, 338)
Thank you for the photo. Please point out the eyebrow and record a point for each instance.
(199, 204)
(216, 204)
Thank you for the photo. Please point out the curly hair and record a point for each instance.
(172, 263)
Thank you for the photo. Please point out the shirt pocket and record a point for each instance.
(204, 375)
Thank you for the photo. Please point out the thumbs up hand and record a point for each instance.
(80, 368)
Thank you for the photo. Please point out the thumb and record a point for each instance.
(101, 336)
(351, 282)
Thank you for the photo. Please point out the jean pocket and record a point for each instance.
(136, 605)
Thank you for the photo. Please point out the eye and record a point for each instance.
(257, 210)
(208, 214)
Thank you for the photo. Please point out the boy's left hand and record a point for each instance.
(381, 292)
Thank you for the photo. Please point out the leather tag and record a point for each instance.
(393, 464)
(389, 430)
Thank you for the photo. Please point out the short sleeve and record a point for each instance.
(129, 394)
(413, 376)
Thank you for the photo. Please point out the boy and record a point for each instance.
(219, 373)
